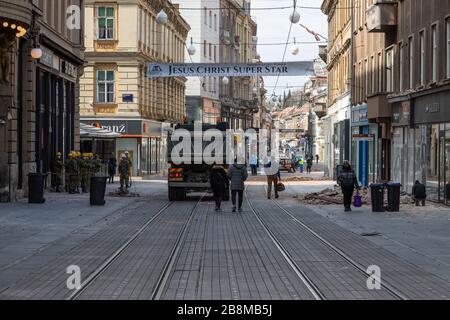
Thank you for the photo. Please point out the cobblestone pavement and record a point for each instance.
(147, 248)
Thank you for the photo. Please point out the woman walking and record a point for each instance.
(219, 184)
(348, 182)
(238, 175)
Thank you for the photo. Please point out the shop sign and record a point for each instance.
(118, 126)
(47, 57)
(69, 69)
(433, 108)
(363, 137)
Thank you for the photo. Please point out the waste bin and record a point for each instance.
(377, 195)
(98, 189)
(36, 187)
(393, 192)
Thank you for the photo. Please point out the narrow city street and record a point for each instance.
(148, 248)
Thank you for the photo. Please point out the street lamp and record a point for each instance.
(36, 53)
(191, 49)
(225, 80)
(294, 17)
(162, 17)
(295, 49)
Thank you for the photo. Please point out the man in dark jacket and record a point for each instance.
(419, 192)
(348, 182)
(219, 184)
(273, 177)
(238, 175)
(112, 167)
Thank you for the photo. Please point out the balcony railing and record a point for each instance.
(382, 16)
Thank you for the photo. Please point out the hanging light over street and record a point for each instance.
(192, 49)
(225, 80)
(294, 17)
(162, 18)
(295, 49)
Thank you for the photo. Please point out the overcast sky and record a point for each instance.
(273, 27)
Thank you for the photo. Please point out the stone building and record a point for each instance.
(336, 123)
(238, 41)
(39, 102)
(417, 71)
(115, 91)
(202, 93)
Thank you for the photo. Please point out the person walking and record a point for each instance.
(219, 184)
(419, 192)
(237, 175)
(273, 178)
(124, 171)
(309, 164)
(254, 164)
(57, 172)
(301, 164)
(348, 182)
(112, 167)
(72, 171)
(317, 159)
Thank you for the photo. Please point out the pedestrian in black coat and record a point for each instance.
(348, 182)
(219, 184)
(419, 192)
(112, 168)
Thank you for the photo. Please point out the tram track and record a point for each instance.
(104, 267)
(389, 288)
(312, 287)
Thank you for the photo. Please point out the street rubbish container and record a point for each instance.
(98, 189)
(447, 192)
(393, 193)
(36, 187)
(377, 195)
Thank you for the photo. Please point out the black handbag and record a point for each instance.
(281, 187)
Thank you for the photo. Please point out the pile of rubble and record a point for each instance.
(124, 194)
(334, 196)
(298, 179)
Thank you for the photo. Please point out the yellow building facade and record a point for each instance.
(115, 92)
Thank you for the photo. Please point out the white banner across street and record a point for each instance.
(164, 70)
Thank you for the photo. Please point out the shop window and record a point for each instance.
(106, 21)
(105, 86)
(447, 23)
(434, 53)
(422, 58)
(389, 70)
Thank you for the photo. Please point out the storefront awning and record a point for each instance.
(87, 131)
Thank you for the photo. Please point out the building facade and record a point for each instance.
(39, 100)
(202, 94)
(418, 35)
(336, 123)
(238, 41)
(115, 91)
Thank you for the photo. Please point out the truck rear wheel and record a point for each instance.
(173, 193)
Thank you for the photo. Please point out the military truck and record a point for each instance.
(185, 178)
